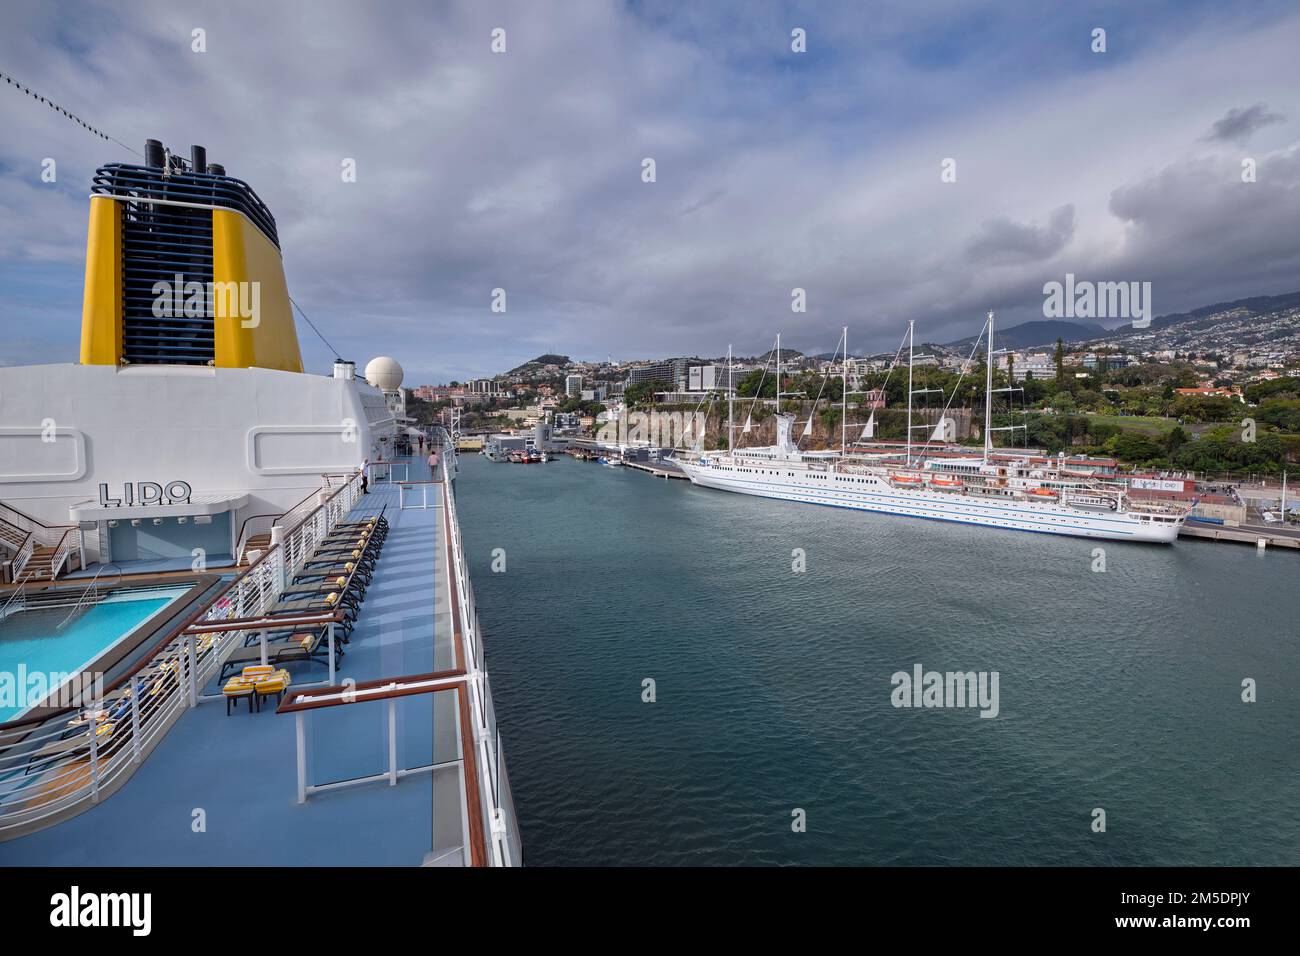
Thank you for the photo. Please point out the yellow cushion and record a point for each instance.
(257, 670)
(340, 580)
(237, 687)
(331, 597)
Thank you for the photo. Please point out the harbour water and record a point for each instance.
(1118, 689)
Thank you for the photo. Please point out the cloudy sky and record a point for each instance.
(774, 169)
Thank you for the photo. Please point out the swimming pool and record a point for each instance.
(35, 649)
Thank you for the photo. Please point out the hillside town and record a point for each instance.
(1174, 396)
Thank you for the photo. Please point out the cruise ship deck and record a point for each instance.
(405, 774)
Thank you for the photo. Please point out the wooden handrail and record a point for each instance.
(278, 514)
(362, 692)
(259, 623)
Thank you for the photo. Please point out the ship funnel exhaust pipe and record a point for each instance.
(216, 169)
(153, 153)
(198, 159)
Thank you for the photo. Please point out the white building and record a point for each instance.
(711, 378)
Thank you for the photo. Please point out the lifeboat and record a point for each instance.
(909, 480)
(1042, 493)
(946, 482)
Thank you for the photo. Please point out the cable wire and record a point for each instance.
(331, 348)
(11, 81)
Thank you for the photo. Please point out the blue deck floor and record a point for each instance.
(240, 770)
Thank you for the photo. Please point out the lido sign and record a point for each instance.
(146, 493)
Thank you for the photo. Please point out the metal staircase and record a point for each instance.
(34, 551)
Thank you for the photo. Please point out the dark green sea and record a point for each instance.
(1119, 690)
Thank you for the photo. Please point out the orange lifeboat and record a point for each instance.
(1042, 492)
(913, 480)
(946, 482)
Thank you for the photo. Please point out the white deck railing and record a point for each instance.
(22, 557)
(496, 803)
(492, 804)
(63, 538)
(68, 543)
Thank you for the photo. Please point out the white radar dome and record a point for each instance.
(384, 372)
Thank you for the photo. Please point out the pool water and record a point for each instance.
(33, 641)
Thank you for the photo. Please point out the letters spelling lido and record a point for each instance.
(146, 493)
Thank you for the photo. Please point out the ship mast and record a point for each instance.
(911, 323)
(988, 393)
(731, 395)
(844, 398)
(778, 372)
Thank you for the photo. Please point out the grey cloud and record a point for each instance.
(1238, 124)
(522, 171)
(1003, 241)
(1200, 234)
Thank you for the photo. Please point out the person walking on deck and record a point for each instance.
(433, 463)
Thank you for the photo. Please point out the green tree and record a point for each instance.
(1136, 447)
(1063, 402)
(748, 387)
(643, 393)
(1281, 413)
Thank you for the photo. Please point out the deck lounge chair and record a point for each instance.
(312, 645)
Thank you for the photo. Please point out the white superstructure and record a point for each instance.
(188, 429)
(183, 455)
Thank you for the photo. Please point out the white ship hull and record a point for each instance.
(871, 492)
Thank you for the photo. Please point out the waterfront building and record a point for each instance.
(671, 372)
(713, 378)
(1038, 365)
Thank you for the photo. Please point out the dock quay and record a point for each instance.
(1242, 534)
(658, 470)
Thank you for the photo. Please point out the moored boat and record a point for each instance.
(1007, 490)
